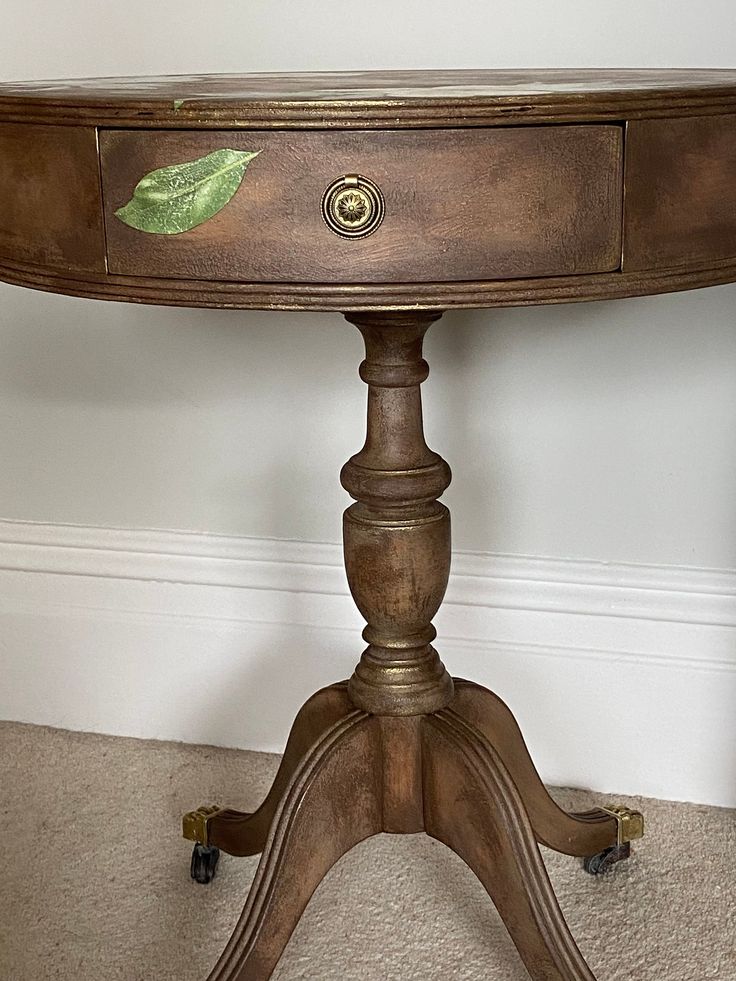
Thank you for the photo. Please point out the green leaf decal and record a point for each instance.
(176, 198)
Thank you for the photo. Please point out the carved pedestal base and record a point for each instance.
(401, 748)
(463, 775)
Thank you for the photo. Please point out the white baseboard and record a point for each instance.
(622, 676)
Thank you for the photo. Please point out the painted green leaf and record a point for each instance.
(176, 198)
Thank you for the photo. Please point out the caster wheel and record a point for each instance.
(605, 860)
(204, 863)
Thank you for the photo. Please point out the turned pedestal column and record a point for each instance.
(397, 534)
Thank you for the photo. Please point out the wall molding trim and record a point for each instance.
(681, 594)
(162, 634)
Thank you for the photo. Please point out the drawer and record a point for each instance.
(463, 204)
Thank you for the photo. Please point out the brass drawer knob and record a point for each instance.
(353, 206)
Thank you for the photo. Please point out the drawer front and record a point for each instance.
(680, 192)
(472, 204)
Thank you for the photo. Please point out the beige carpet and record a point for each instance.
(95, 883)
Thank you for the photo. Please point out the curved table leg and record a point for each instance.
(332, 802)
(241, 833)
(581, 834)
(472, 805)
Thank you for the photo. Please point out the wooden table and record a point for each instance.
(389, 197)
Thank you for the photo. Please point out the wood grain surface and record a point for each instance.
(379, 99)
(680, 192)
(460, 205)
(482, 208)
(49, 197)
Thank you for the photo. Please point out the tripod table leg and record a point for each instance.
(472, 805)
(332, 803)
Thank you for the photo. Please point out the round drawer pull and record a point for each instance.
(353, 206)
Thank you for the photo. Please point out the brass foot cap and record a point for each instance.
(630, 823)
(194, 824)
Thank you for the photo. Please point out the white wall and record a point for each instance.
(600, 432)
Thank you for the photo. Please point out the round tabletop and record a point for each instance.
(379, 98)
(370, 190)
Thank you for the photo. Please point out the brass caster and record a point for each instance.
(195, 823)
(195, 827)
(630, 823)
(630, 827)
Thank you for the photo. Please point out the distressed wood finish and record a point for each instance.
(460, 204)
(482, 209)
(373, 100)
(397, 536)
(473, 806)
(681, 192)
(581, 834)
(365, 774)
(240, 833)
(332, 803)
(340, 297)
(49, 198)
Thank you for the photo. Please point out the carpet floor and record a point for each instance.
(96, 883)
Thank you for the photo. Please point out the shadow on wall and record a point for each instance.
(594, 431)
(131, 416)
(66, 349)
